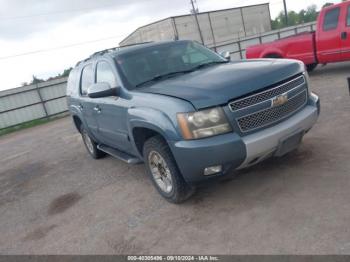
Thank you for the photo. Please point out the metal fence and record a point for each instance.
(32, 102)
(44, 100)
(237, 48)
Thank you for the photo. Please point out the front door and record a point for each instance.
(87, 104)
(111, 112)
(328, 36)
(345, 32)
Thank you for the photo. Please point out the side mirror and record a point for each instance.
(102, 90)
(226, 55)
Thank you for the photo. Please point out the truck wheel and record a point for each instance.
(164, 172)
(311, 67)
(90, 144)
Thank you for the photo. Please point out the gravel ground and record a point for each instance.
(54, 199)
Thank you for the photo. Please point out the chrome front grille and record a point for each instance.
(268, 94)
(272, 114)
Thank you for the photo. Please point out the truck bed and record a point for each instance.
(300, 47)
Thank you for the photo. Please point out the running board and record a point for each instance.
(119, 154)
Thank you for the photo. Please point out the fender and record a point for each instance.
(75, 110)
(152, 119)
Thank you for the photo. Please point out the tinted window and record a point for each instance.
(104, 73)
(348, 17)
(331, 19)
(87, 79)
(72, 87)
(147, 63)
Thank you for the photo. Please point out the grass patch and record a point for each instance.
(29, 124)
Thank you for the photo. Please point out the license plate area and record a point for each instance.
(289, 143)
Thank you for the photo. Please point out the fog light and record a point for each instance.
(212, 170)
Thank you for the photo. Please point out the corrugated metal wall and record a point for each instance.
(217, 27)
(47, 99)
(32, 102)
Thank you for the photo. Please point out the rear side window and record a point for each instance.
(105, 74)
(87, 79)
(331, 19)
(348, 17)
(72, 88)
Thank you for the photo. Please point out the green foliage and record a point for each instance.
(29, 124)
(294, 18)
(37, 80)
(327, 4)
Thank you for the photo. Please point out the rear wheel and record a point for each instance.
(90, 144)
(164, 172)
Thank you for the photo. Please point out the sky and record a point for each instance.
(84, 27)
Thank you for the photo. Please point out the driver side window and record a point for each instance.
(105, 74)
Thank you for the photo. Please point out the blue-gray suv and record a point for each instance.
(187, 112)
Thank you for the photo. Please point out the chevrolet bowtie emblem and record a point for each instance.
(279, 100)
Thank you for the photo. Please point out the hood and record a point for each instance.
(219, 84)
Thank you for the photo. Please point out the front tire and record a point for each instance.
(164, 172)
(311, 67)
(90, 144)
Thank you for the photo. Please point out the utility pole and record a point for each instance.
(194, 11)
(285, 12)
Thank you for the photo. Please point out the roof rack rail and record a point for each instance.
(141, 43)
(102, 52)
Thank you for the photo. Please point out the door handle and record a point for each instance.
(80, 107)
(344, 35)
(97, 109)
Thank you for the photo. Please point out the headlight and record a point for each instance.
(307, 79)
(204, 123)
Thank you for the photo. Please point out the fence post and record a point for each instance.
(41, 100)
(240, 49)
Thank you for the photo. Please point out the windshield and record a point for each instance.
(151, 63)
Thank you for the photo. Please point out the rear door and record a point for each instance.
(345, 34)
(112, 111)
(328, 39)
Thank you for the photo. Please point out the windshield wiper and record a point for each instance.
(160, 77)
(208, 64)
(168, 75)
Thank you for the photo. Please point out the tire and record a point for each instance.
(163, 170)
(276, 56)
(91, 145)
(311, 67)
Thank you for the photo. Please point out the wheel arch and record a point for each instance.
(77, 122)
(147, 122)
(140, 134)
(272, 55)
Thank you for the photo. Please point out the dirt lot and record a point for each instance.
(55, 199)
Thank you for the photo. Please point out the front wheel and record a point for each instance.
(164, 172)
(311, 67)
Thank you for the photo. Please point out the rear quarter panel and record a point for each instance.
(300, 47)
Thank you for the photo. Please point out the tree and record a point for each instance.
(294, 18)
(327, 4)
(36, 80)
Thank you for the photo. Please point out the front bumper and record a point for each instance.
(235, 152)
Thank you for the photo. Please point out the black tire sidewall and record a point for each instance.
(96, 154)
(181, 190)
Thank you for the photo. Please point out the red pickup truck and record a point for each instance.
(330, 43)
